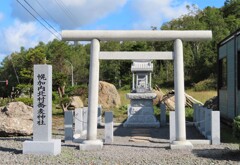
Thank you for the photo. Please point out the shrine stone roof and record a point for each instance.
(142, 66)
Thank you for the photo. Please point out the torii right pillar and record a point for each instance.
(180, 142)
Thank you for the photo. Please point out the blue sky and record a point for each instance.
(19, 28)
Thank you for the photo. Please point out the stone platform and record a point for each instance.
(91, 145)
(51, 147)
(141, 112)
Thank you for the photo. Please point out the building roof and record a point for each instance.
(229, 37)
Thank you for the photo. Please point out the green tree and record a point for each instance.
(32, 56)
(110, 69)
(57, 54)
(231, 7)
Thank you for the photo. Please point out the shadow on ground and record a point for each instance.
(20, 138)
(158, 133)
(218, 154)
(12, 150)
(135, 146)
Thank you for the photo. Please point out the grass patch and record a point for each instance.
(26, 100)
(189, 114)
(4, 102)
(202, 96)
(120, 114)
(56, 110)
(124, 100)
(157, 112)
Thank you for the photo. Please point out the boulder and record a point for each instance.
(108, 95)
(76, 102)
(16, 119)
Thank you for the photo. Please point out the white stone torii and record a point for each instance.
(136, 35)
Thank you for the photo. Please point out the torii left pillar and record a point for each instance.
(92, 143)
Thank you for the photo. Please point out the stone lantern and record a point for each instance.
(140, 110)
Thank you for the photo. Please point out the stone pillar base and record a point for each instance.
(91, 145)
(81, 134)
(181, 145)
(52, 147)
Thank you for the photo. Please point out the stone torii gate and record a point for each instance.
(140, 35)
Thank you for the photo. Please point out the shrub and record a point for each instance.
(77, 90)
(55, 97)
(208, 84)
(26, 100)
(123, 108)
(4, 102)
(189, 114)
(126, 87)
(236, 127)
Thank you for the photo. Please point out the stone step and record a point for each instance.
(140, 135)
(139, 140)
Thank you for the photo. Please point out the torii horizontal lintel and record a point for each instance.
(136, 55)
(136, 35)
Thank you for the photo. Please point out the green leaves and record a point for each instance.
(236, 127)
(59, 79)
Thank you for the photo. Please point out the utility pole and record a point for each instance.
(71, 70)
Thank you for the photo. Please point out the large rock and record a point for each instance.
(16, 119)
(108, 95)
(76, 102)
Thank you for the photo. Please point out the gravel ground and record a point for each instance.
(124, 152)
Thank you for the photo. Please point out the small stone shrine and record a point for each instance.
(140, 110)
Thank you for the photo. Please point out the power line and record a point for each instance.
(69, 11)
(41, 17)
(65, 10)
(38, 19)
(46, 11)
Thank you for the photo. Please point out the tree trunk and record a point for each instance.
(60, 92)
(64, 108)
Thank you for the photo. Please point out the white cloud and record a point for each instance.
(154, 12)
(68, 14)
(22, 34)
